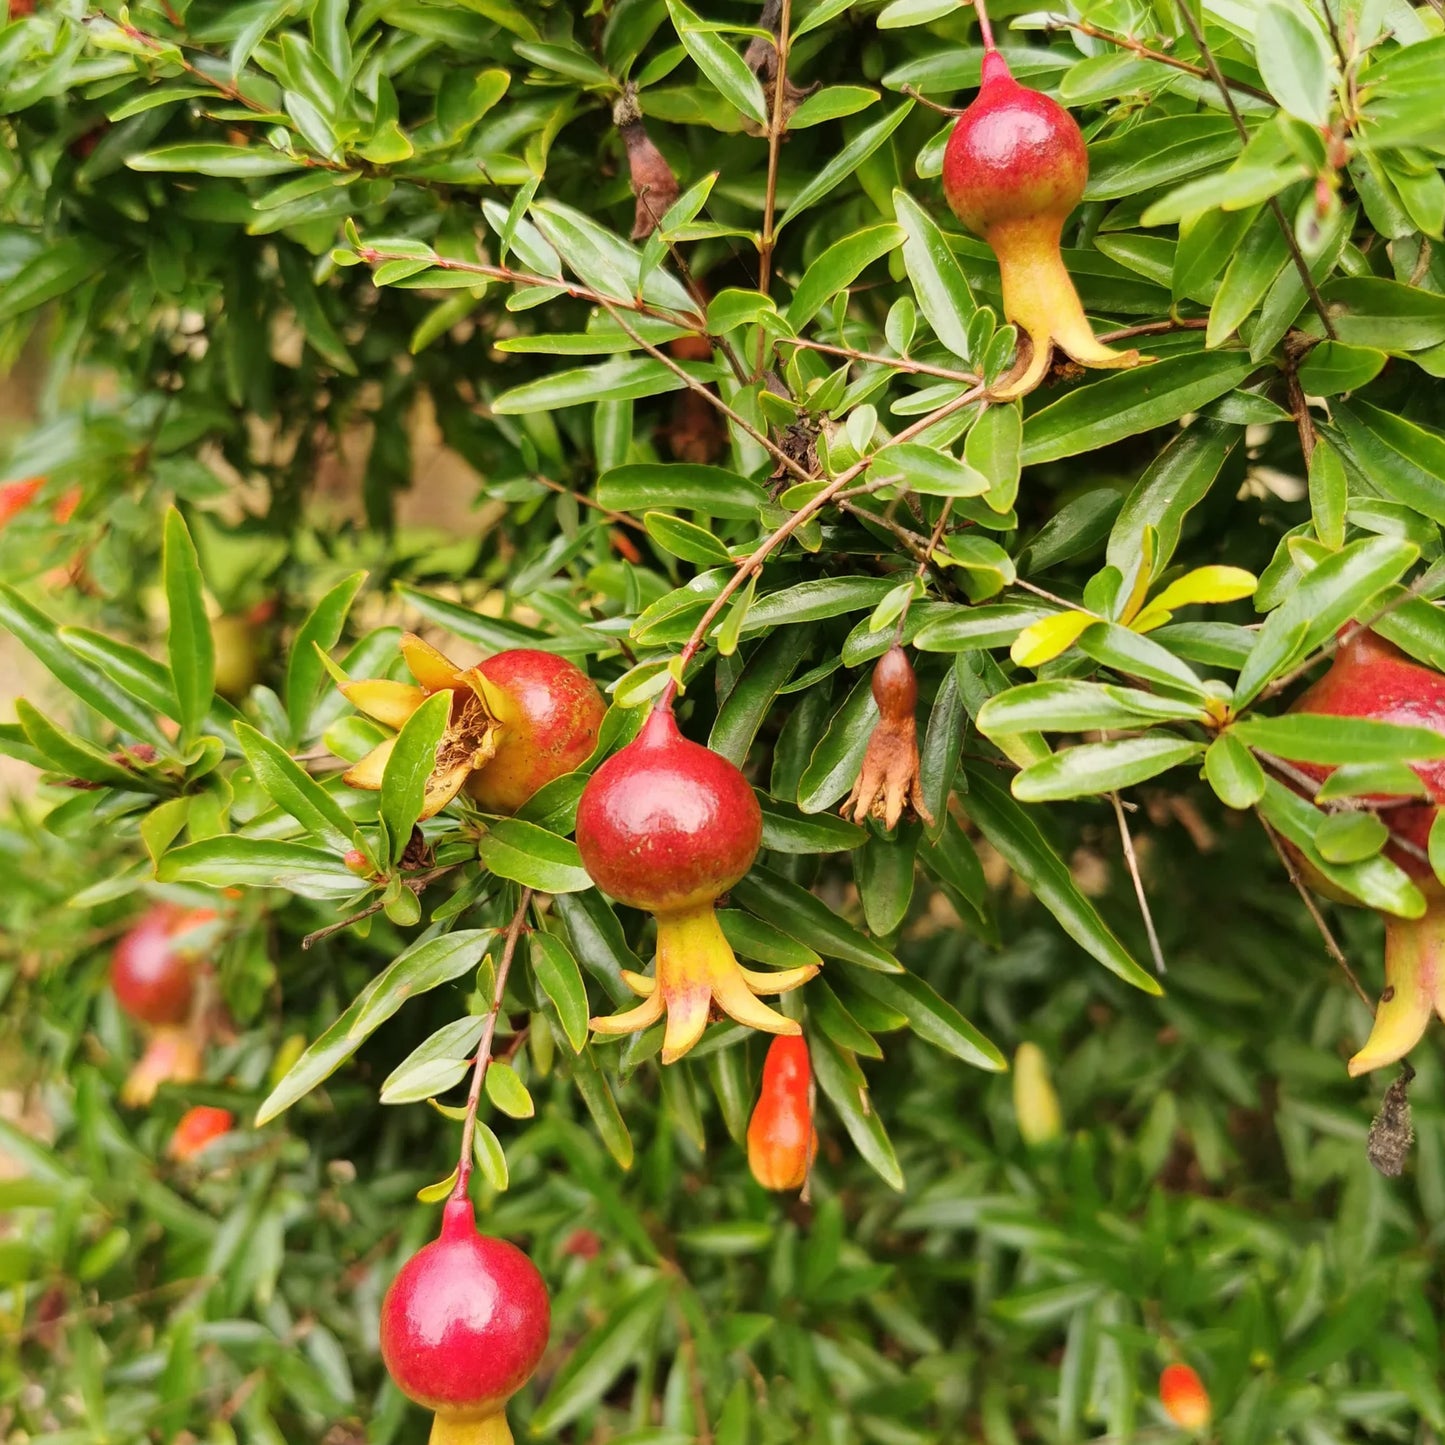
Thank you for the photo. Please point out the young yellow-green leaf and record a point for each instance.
(1437, 844)
(1204, 584)
(507, 1091)
(685, 539)
(1233, 772)
(490, 1156)
(730, 629)
(1050, 636)
(435, 1193)
(190, 645)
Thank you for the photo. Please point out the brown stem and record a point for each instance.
(415, 884)
(1157, 328)
(808, 510)
(898, 363)
(1145, 52)
(776, 125)
(1281, 220)
(924, 101)
(1333, 948)
(621, 518)
(1132, 860)
(1304, 422)
(484, 1048)
(923, 565)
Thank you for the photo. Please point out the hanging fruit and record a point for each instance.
(519, 720)
(463, 1327)
(888, 784)
(1184, 1398)
(198, 1129)
(1014, 168)
(1370, 678)
(653, 182)
(781, 1139)
(669, 826)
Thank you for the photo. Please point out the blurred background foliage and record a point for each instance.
(289, 265)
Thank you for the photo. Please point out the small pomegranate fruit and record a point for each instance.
(888, 783)
(238, 662)
(463, 1327)
(781, 1137)
(1014, 167)
(519, 720)
(653, 182)
(153, 979)
(1184, 1398)
(1370, 678)
(199, 1127)
(669, 826)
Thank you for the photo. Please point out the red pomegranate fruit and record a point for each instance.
(198, 1129)
(669, 826)
(781, 1139)
(463, 1327)
(1014, 168)
(152, 976)
(1371, 678)
(519, 720)
(1184, 1398)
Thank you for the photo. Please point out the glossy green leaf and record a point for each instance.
(533, 857)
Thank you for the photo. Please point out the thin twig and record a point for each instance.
(804, 513)
(776, 126)
(984, 28)
(1304, 422)
(621, 518)
(484, 1048)
(1145, 52)
(924, 101)
(898, 363)
(1286, 230)
(1132, 860)
(1334, 949)
(415, 884)
(1157, 328)
(923, 566)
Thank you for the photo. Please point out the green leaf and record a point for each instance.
(1314, 738)
(293, 789)
(561, 980)
(408, 769)
(747, 705)
(842, 1083)
(992, 449)
(753, 938)
(304, 669)
(215, 160)
(1233, 772)
(930, 471)
(1350, 837)
(713, 491)
(808, 919)
(847, 160)
(507, 1091)
(1076, 707)
(1390, 316)
(89, 683)
(1403, 461)
(533, 857)
(191, 649)
(717, 60)
(426, 965)
(60, 267)
(602, 1106)
(1334, 367)
(938, 280)
(1017, 838)
(932, 1018)
(685, 539)
(1129, 402)
(236, 862)
(1158, 153)
(1325, 599)
(595, 1365)
(74, 756)
(1329, 493)
(837, 268)
(623, 379)
(815, 600)
(1295, 60)
(970, 629)
(437, 1064)
(838, 755)
(1092, 768)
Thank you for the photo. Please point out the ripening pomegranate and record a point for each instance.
(199, 1128)
(1370, 678)
(519, 720)
(1184, 1397)
(781, 1137)
(669, 826)
(463, 1327)
(1014, 167)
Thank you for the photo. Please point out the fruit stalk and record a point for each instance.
(484, 1062)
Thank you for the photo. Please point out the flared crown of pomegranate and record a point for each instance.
(1014, 168)
(463, 1327)
(1370, 678)
(669, 826)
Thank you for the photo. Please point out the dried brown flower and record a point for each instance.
(888, 784)
(653, 182)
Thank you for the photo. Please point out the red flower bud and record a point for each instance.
(781, 1137)
(199, 1127)
(1184, 1397)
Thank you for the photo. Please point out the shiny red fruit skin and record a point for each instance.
(152, 980)
(1371, 678)
(781, 1141)
(465, 1320)
(557, 712)
(1014, 155)
(199, 1126)
(666, 824)
(1184, 1397)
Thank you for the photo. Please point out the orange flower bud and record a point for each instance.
(1184, 1397)
(198, 1128)
(781, 1137)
